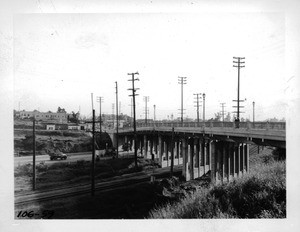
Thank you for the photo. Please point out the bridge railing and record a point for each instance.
(217, 124)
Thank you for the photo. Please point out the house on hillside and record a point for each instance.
(60, 117)
(73, 127)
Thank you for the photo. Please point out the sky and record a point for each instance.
(60, 59)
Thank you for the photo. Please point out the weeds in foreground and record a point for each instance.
(260, 194)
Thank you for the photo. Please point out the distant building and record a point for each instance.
(48, 116)
(50, 127)
(73, 127)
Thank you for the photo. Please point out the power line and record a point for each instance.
(223, 112)
(197, 96)
(117, 117)
(182, 81)
(100, 100)
(133, 89)
(240, 64)
(203, 97)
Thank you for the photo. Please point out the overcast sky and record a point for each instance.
(60, 59)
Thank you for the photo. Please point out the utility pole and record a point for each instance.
(203, 96)
(100, 100)
(146, 100)
(133, 79)
(182, 81)
(222, 112)
(33, 157)
(93, 157)
(253, 103)
(197, 106)
(92, 98)
(117, 119)
(240, 64)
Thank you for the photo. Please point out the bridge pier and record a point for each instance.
(190, 165)
(151, 149)
(184, 152)
(145, 146)
(160, 149)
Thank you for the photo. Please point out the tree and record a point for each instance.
(218, 116)
(61, 110)
(228, 117)
(74, 117)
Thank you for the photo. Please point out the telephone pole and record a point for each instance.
(146, 100)
(33, 157)
(203, 96)
(240, 64)
(197, 96)
(93, 157)
(100, 100)
(223, 112)
(117, 119)
(182, 81)
(133, 79)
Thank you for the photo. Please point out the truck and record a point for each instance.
(58, 155)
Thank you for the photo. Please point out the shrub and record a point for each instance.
(259, 194)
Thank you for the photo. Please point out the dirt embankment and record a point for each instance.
(51, 141)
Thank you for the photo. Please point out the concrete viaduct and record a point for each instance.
(215, 147)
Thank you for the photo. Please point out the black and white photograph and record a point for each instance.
(123, 115)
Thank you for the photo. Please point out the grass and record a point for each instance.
(60, 174)
(259, 194)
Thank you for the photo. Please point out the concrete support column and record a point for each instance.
(247, 157)
(209, 160)
(151, 148)
(184, 152)
(242, 158)
(223, 161)
(176, 150)
(229, 146)
(160, 149)
(239, 160)
(145, 147)
(201, 158)
(141, 145)
(218, 160)
(197, 151)
(165, 150)
(204, 156)
(235, 159)
(191, 160)
(213, 162)
(232, 160)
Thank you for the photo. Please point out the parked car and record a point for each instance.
(58, 155)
